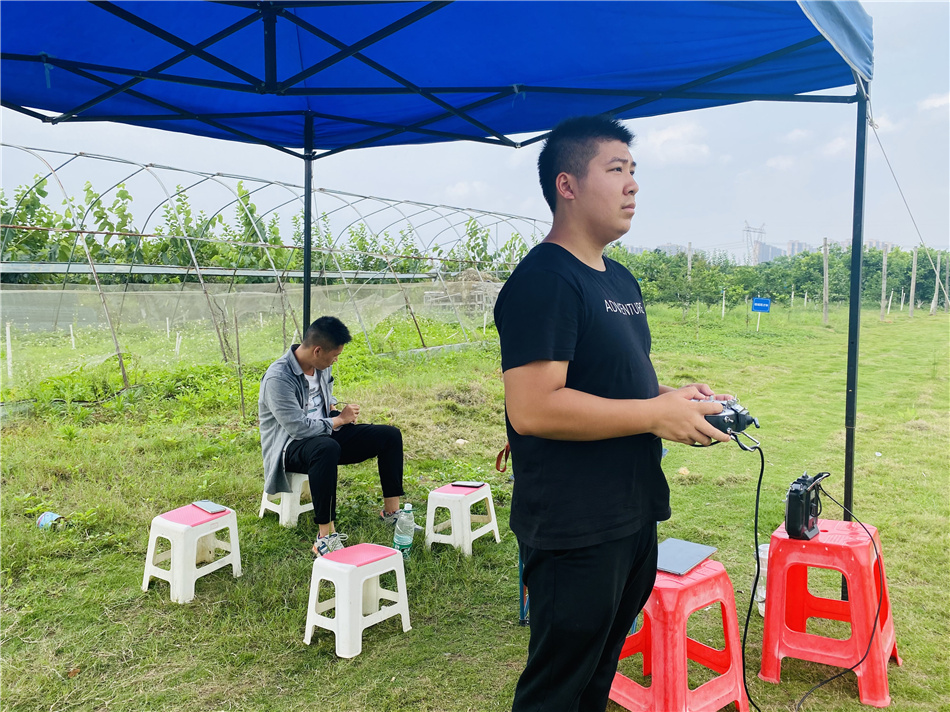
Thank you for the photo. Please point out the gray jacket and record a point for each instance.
(282, 407)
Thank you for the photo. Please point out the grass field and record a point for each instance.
(79, 634)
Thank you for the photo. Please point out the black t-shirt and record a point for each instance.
(571, 494)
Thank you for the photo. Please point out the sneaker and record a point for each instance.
(325, 544)
(391, 517)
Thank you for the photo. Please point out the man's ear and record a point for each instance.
(564, 183)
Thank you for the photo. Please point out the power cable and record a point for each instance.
(900, 190)
(755, 580)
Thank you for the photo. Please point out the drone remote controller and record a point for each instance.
(733, 418)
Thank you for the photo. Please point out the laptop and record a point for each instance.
(676, 556)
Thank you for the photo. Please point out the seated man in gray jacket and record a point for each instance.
(302, 432)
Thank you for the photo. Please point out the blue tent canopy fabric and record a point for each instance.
(376, 74)
(333, 76)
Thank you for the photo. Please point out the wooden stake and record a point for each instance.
(9, 353)
(913, 287)
(883, 282)
(237, 347)
(889, 300)
(105, 309)
(825, 312)
(72, 337)
(936, 299)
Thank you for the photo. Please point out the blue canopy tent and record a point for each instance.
(314, 78)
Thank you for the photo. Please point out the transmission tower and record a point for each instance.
(754, 237)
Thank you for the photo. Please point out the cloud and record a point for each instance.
(466, 189)
(521, 156)
(884, 124)
(676, 144)
(780, 163)
(836, 146)
(796, 135)
(934, 101)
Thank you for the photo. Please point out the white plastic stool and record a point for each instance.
(287, 504)
(354, 572)
(459, 501)
(191, 533)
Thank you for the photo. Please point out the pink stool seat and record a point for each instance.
(191, 515)
(360, 554)
(452, 489)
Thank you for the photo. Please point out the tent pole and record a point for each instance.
(307, 216)
(854, 322)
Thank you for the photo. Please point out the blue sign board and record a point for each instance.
(761, 304)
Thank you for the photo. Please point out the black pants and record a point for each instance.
(319, 457)
(583, 604)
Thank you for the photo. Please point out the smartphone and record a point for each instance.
(466, 483)
(209, 506)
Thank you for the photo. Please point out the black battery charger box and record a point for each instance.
(802, 507)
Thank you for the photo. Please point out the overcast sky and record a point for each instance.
(702, 174)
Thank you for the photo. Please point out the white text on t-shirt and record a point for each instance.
(628, 309)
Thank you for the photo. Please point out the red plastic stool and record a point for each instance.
(844, 547)
(665, 646)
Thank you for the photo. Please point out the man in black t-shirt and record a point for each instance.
(585, 414)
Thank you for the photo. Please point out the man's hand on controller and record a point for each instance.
(707, 392)
(680, 415)
(349, 414)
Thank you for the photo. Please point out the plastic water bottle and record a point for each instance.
(763, 572)
(405, 529)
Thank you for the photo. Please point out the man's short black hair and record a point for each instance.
(570, 147)
(328, 332)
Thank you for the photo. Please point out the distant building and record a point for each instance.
(671, 249)
(868, 245)
(878, 245)
(796, 247)
(761, 252)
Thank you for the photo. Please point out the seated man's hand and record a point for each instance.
(349, 414)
